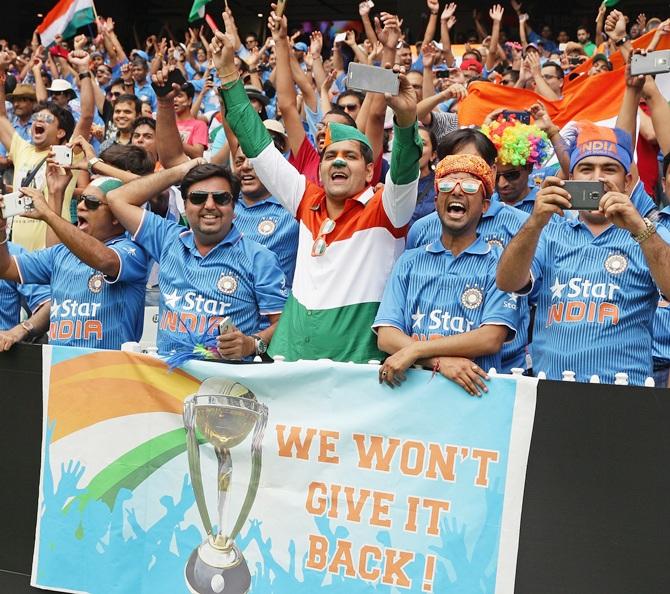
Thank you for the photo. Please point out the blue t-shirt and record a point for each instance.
(526, 204)
(145, 92)
(432, 293)
(497, 227)
(238, 278)
(14, 295)
(87, 308)
(661, 348)
(270, 224)
(425, 198)
(595, 303)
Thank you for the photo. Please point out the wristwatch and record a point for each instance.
(28, 327)
(647, 233)
(621, 41)
(92, 163)
(261, 347)
(83, 75)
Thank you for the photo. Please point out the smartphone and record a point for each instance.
(442, 74)
(585, 195)
(520, 116)
(16, 204)
(340, 38)
(226, 325)
(62, 154)
(651, 63)
(281, 8)
(562, 46)
(212, 25)
(361, 77)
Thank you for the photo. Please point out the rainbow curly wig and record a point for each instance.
(518, 144)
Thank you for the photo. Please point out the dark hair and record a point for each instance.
(456, 140)
(115, 83)
(189, 89)
(666, 164)
(556, 67)
(143, 121)
(128, 98)
(207, 171)
(129, 157)
(64, 116)
(514, 74)
(431, 136)
(337, 110)
(351, 93)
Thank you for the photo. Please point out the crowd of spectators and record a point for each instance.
(268, 210)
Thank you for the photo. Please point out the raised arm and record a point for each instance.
(600, 23)
(477, 18)
(80, 61)
(627, 117)
(6, 129)
(431, 26)
(315, 47)
(168, 141)
(364, 12)
(304, 83)
(447, 22)
(544, 123)
(660, 114)
(496, 14)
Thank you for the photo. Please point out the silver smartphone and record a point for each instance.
(651, 63)
(62, 154)
(16, 204)
(585, 194)
(361, 77)
(226, 325)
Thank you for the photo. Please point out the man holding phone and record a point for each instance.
(595, 276)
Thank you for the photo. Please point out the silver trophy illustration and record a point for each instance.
(223, 413)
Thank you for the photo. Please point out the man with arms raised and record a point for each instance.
(350, 235)
(593, 277)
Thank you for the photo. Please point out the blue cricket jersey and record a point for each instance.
(87, 308)
(661, 347)
(270, 224)
(432, 293)
(595, 303)
(14, 295)
(526, 204)
(238, 278)
(497, 227)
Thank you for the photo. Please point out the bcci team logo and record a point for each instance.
(472, 298)
(495, 242)
(226, 284)
(616, 264)
(96, 282)
(266, 227)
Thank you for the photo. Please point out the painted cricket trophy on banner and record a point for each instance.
(223, 413)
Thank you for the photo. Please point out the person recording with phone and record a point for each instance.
(596, 277)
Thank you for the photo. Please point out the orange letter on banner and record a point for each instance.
(316, 504)
(381, 510)
(412, 510)
(366, 458)
(342, 558)
(394, 574)
(369, 551)
(317, 554)
(436, 506)
(446, 461)
(327, 447)
(355, 506)
(301, 447)
(484, 456)
(407, 467)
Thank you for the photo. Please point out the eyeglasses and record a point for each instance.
(349, 106)
(198, 197)
(510, 176)
(90, 202)
(319, 247)
(115, 94)
(46, 118)
(56, 93)
(469, 186)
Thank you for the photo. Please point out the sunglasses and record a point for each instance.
(349, 106)
(56, 93)
(510, 176)
(469, 186)
(198, 197)
(46, 118)
(90, 202)
(319, 246)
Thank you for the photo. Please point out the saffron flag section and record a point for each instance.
(64, 19)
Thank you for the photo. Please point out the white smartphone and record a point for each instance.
(361, 77)
(15, 204)
(62, 154)
(340, 38)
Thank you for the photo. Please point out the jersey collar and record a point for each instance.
(478, 247)
(270, 199)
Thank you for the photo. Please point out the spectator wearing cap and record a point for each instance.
(600, 63)
(259, 100)
(193, 132)
(441, 306)
(23, 101)
(471, 68)
(259, 215)
(592, 276)
(299, 50)
(140, 71)
(61, 93)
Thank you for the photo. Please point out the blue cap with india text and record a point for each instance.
(599, 141)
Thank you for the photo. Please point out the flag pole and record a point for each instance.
(95, 13)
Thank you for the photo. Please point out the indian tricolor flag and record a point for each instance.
(65, 18)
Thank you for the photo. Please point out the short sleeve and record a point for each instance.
(391, 310)
(199, 135)
(269, 283)
(133, 261)
(154, 232)
(36, 267)
(500, 308)
(35, 295)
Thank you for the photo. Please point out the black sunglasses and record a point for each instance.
(91, 202)
(509, 175)
(55, 93)
(220, 198)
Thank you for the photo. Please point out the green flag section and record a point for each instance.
(197, 10)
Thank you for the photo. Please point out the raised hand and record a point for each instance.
(57, 179)
(641, 21)
(363, 8)
(350, 38)
(496, 13)
(404, 103)
(615, 25)
(449, 11)
(541, 117)
(80, 42)
(316, 43)
(278, 27)
(602, 9)
(160, 80)
(387, 29)
(223, 54)
(433, 6)
(80, 60)
(429, 52)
